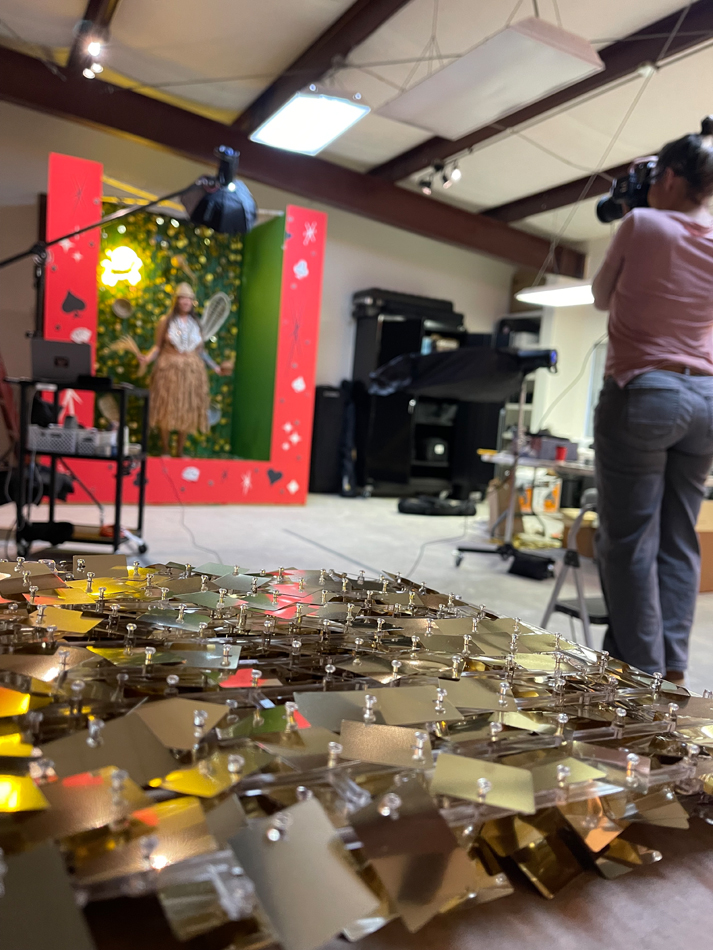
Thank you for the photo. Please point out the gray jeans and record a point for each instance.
(654, 446)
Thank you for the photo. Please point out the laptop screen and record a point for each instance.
(55, 361)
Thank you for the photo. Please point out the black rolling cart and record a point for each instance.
(124, 462)
(472, 375)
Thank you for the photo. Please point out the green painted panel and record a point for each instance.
(256, 350)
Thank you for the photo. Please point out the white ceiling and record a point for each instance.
(669, 105)
(577, 224)
(223, 53)
(45, 22)
(179, 41)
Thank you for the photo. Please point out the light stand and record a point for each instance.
(506, 549)
(529, 361)
(38, 251)
(470, 374)
(222, 203)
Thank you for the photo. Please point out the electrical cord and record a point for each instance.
(11, 529)
(6, 487)
(31, 487)
(466, 518)
(555, 242)
(513, 13)
(567, 389)
(185, 527)
(599, 41)
(30, 502)
(550, 259)
(9, 534)
(87, 491)
(426, 544)
(6, 494)
(38, 51)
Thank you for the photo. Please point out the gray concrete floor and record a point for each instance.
(351, 534)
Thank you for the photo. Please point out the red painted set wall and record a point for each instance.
(74, 199)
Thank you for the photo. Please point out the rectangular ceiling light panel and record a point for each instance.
(310, 121)
(523, 63)
(558, 295)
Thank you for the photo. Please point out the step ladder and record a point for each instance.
(588, 610)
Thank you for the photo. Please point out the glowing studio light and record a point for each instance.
(310, 121)
(122, 263)
(557, 295)
(97, 68)
(94, 48)
(88, 73)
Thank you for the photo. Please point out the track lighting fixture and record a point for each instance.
(448, 176)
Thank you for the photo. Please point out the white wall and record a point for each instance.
(572, 331)
(359, 254)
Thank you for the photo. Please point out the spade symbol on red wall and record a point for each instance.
(73, 304)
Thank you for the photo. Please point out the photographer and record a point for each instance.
(654, 421)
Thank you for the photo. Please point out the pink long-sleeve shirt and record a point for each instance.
(657, 280)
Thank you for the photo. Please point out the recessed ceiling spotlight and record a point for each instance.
(97, 68)
(94, 48)
(88, 73)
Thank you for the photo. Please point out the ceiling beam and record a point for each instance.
(94, 25)
(559, 197)
(621, 59)
(25, 81)
(355, 25)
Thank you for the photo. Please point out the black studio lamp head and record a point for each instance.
(221, 202)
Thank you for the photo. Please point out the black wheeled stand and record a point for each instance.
(471, 374)
(25, 532)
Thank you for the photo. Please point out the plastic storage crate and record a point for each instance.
(52, 439)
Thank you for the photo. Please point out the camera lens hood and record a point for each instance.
(609, 210)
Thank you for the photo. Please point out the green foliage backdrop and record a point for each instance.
(171, 252)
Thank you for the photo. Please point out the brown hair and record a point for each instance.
(691, 157)
(173, 312)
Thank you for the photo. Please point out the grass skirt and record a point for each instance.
(179, 393)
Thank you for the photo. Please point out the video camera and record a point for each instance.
(629, 191)
(632, 189)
